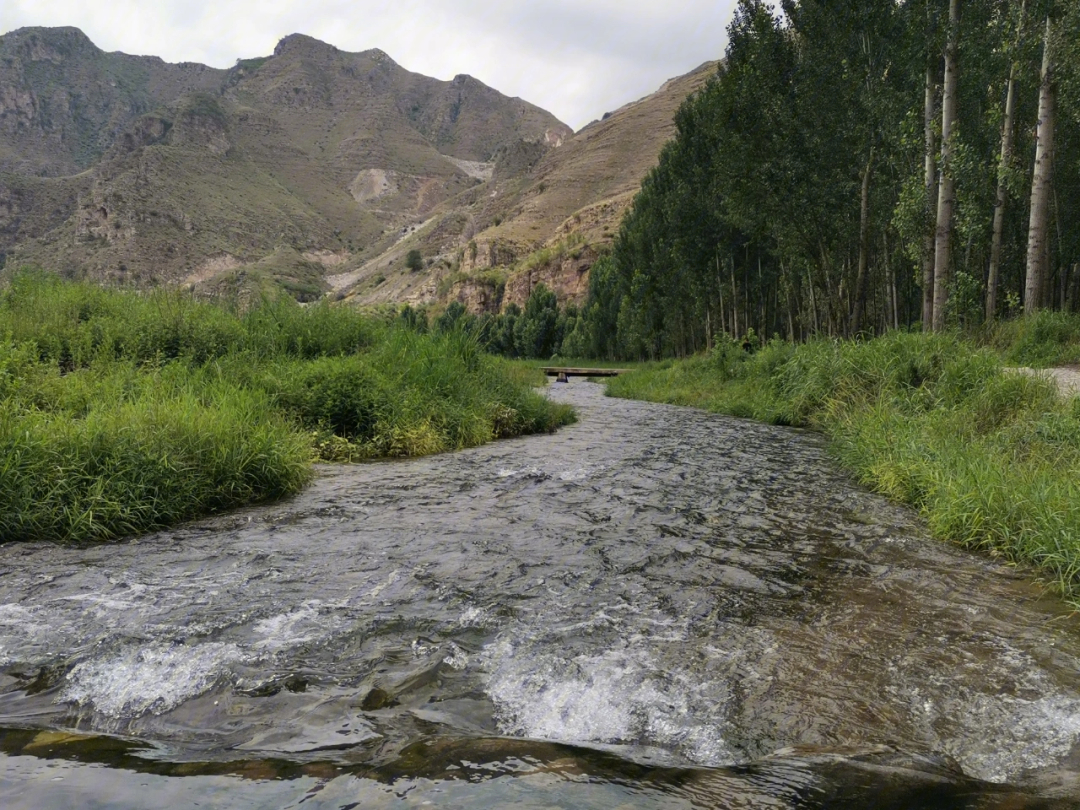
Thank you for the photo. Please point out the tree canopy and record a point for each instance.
(809, 188)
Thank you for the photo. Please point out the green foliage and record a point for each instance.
(754, 217)
(114, 450)
(1040, 340)
(536, 332)
(122, 412)
(414, 319)
(414, 260)
(991, 458)
(453, 317)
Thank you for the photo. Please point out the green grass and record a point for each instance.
(991, 458)
(1040, 340)
(122, 412)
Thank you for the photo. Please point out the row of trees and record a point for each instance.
(537, 331)
(855, 166)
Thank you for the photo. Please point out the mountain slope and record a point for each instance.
(172, 171)
(64, 101)
(543, 217)
(312, 169)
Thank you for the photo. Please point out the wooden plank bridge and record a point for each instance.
(563, 374)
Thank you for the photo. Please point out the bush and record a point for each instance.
(122, 412)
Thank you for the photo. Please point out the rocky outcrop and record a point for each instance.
(482, 254)
(567, 277)
(145, 131)
(478, 295)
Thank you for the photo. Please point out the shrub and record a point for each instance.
(122, 412)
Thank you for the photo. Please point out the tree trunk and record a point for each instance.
(894, 309)
(930, 177)
(1040, 186)
(859, 309)
(734, 303)
(1075, 292)
(946, 184)
(1003, 167)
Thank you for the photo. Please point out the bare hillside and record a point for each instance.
(544, 216)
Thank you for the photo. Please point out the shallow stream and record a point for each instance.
(615, 615)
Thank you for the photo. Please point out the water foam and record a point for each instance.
(1005, 735)
(147, 680)
(289, 629)
(616, 696)
(475, 617)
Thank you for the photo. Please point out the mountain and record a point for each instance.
(130, 169)
(544, 216)
(311, 170)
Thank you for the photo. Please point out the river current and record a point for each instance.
(616, 615)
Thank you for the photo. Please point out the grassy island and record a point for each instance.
(122, 412)
(991, 457)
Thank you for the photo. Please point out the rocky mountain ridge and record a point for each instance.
(309, 170)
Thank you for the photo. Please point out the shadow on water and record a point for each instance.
(622, 614)
(557, 775)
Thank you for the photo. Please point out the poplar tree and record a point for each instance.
(946, 181)
(1004, 161)
(1038, 244)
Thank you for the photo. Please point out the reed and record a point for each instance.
(1046, 338)
(107, 452)
(122, 412)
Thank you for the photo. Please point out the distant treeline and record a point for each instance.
(853, 167)
(540, 330)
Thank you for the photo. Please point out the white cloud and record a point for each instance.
(576, 58)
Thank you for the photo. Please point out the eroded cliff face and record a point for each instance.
(486, 253)
(477, 295)
(567, 277)
(17, 107)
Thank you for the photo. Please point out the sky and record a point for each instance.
(575, 58)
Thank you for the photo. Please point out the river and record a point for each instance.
(621, 614)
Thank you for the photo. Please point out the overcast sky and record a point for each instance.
(576, 58)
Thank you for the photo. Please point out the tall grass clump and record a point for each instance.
(990, 457)
(410, 395)
(1045, 338)
(123, 411)
(113, 451)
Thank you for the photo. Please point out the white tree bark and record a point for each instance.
(929, 178)
(1038, 224)
(946, 184)
(1002, 193)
